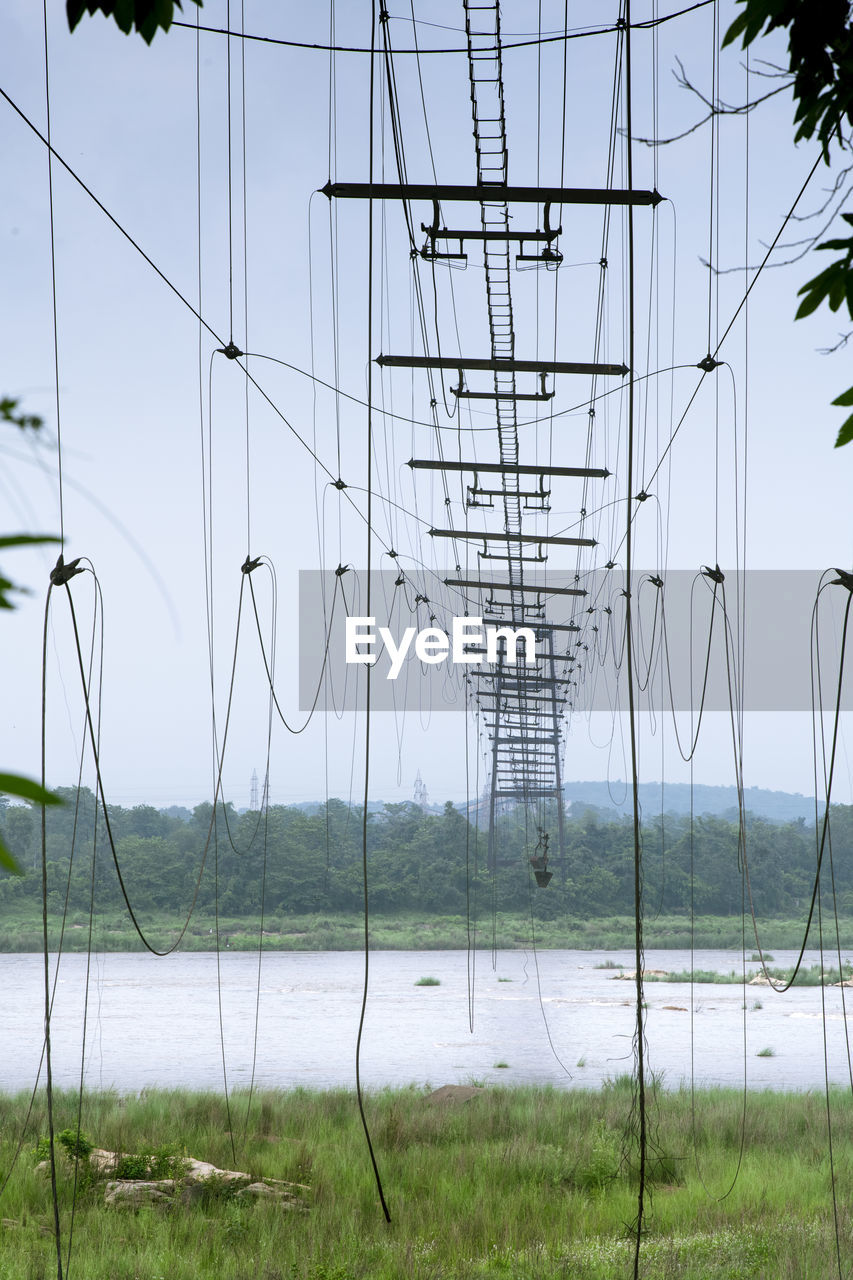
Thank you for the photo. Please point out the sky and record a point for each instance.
(175, 469)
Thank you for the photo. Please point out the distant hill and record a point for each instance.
(674, 797)
(615, 798)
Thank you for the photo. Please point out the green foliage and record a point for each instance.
(41, 1151)
(499, 1173)
(813, 975)
(75, 1144)
(417, 872)
(820, 48)
(599, 1166)
(164, 1161)
(18, 540)
(766, 1053)
(428, 982)
(11, 784)
(25, 421)
(147, 16)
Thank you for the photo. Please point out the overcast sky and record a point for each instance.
(170, 480)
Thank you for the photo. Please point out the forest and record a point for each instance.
(298, 860)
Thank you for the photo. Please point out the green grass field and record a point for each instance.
(20, 930)
(515, 1184)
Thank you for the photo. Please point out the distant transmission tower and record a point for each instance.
(265, 802)
(421, 795)
(253, 794)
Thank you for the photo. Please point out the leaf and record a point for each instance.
(147, 16)
(845, 435)
(26, 539)
(809, 304)
(846, 398)
(25, 421)
(12, 784)
(735, 29)
(7, 862)
(837, 293)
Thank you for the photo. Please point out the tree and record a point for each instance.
(147, 16)
(12, 784)
(820, 60)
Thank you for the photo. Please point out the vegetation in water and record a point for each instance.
(807, 975)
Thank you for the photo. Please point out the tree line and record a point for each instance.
(302, 861)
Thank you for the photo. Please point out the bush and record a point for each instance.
(75, 1144)
(156, 1163)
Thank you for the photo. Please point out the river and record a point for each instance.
(153, 1022)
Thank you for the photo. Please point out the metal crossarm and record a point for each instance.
(492, 192)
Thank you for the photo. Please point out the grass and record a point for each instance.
(810, 976)
(408, 931)
(517, 1184)
(766, 1053)
(428, 982)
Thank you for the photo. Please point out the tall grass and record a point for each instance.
(21, 931)
(516, 1183)
(807, 976)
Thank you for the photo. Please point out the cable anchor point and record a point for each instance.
(716, 574)
(249, 565)
(62, 572)
(339, 483)
(655, 581)
(708, 364)
(844, 579)
(231, 352)
(342, 569)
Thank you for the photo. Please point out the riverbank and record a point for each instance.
(22, 932)
(522, 1183)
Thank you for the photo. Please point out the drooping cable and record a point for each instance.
(639, 1032)
(368, 668)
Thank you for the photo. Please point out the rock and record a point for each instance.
(281, 1185)
(454, 1093)
(133, 1194)
(203, 1171)
(676, 1008)
(199, 1176)
(192, 1195)
(274, 1191)
(759, 981)
(104, 1161)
